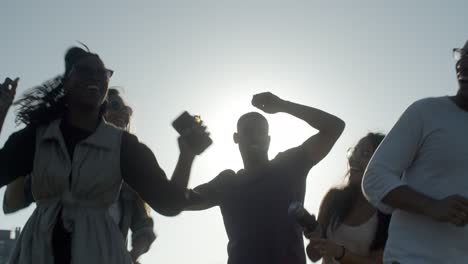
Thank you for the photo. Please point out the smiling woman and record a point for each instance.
(77, 162)
(48, 102)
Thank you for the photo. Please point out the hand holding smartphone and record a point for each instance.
(192, 128)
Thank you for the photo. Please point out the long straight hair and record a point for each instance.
(338, 202)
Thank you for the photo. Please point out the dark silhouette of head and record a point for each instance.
(117, 111)
(461, 68)
(252, 138)
(82, 87)
(85, 80)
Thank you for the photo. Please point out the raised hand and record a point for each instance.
(187, 146)
(268, 102)
(7, 94)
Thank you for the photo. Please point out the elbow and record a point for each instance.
(337, 129)
(7, 210)
(166, 209)
(340, 127)
(169, 212)
(367, 186)
(374, 189)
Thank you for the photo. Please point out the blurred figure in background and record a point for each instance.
(130, 211)
(351, 230)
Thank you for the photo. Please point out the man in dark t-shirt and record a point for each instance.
(254, 201)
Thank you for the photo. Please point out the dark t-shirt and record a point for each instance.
(255, 209)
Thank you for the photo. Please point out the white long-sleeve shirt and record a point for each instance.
(427, 150)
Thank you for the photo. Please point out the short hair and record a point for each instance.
(249, 117)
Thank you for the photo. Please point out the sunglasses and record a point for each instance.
(87, 72)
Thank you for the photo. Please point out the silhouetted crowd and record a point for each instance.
(404, 199)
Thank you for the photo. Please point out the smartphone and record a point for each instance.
(185, 124)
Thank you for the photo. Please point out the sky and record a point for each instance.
(364, 61)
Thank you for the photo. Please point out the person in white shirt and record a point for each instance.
(420, 174)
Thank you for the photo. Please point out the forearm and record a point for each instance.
(141, 171)
(140, 245)
(14, 196)
(318, 119)
(17, 155)
(181, 174)
(407, 199)
(166, 199)
(153, 187)
(209, 194)
(198, 200)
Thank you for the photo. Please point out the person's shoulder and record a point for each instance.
(296, 157)
(331, 195)
(430, 102)
(132, 148)
(28, 132)
(224, 178)
(130, 140)
(225, 175)
(129, 136)
(427, 108)
(419, 108)
(289, 152)
(218, 185)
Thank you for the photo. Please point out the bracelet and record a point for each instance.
(343, 254)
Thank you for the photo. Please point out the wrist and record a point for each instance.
(187, 157)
